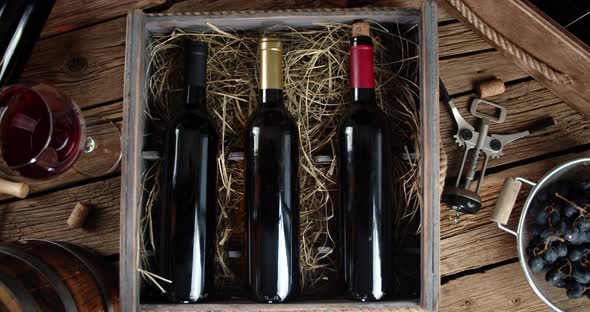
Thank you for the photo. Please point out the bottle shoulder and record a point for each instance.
(273, 118)
(364, 116)
(195, 121)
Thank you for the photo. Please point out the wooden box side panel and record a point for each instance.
(292, 307)
(165, 23)
(132, 166)
(430, 151)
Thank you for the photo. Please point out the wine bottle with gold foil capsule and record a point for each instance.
(272, 186)
(365, 214)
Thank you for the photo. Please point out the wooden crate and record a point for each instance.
(139, 28)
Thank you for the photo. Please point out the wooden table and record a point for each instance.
(82, 52)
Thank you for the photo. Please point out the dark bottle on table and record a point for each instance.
(365, 215)
(188, 189)
(21, 23)
(272, 186)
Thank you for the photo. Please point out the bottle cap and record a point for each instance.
(271, 63)
(195, 62)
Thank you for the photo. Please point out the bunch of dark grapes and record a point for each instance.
(560, 243)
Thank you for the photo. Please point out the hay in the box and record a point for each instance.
(316, 68)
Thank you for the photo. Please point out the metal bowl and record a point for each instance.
(574, 171)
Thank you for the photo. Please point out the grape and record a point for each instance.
(551, 255)
(553, 276)
(535, 231)
(585, 237)
(583, 224)
(573, 236)
(552, 189)
(562, 283)
(542, 195)
(570, 211)
(581, 276)
(575, 254)
(541, 218)
(575, 290)
(555, 218)
(561, 250)
(565, 233)
(563, 189)
(536, 263)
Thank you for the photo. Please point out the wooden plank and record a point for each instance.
(86, 64)
(500, 289)
(481, 246)
(526, 102)
(541, 47)
(44, 217)
(476, 241)
(231, 5)
(461, 73)
(113, 112)
(456, 38)
(331, 305)
(68, 15)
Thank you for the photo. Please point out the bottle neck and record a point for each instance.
(362, 80)
(196, 98)
(270, 98)
(195, 75)
(271, 73)
(363, 96)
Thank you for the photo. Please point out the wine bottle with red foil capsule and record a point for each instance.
(188, 188)
(365, 214)
(272, 186)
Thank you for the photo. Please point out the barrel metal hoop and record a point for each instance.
(23, 297)
(91, 268)
(62, 290)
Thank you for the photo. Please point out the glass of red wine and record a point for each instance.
(43, 134)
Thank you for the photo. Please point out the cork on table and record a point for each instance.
(82, 53)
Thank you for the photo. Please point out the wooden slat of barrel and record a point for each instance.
(59, 271)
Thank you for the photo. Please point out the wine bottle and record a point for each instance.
(272, 186)
(21, 23)
(365, 214)
(188, 189)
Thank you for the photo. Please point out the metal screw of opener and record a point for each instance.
(460, 197)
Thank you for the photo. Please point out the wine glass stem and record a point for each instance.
(90, 145)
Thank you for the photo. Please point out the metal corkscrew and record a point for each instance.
(461, 198)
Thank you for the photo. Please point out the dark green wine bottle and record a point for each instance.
(189, 192)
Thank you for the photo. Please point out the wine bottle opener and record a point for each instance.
(459, 196)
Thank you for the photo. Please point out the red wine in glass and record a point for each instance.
(41, 131)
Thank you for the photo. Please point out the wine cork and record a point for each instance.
(360, 29)
(490, 88)
(18, 189)
(78, 216)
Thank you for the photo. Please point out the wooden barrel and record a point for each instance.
(39, 275)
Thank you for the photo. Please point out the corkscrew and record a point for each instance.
(459, 196)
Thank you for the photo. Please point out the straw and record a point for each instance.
(316, 67)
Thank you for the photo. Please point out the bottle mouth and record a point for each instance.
(271, 44)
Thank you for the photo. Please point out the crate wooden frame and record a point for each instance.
(140, 25)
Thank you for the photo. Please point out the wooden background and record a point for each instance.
(82, 53)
